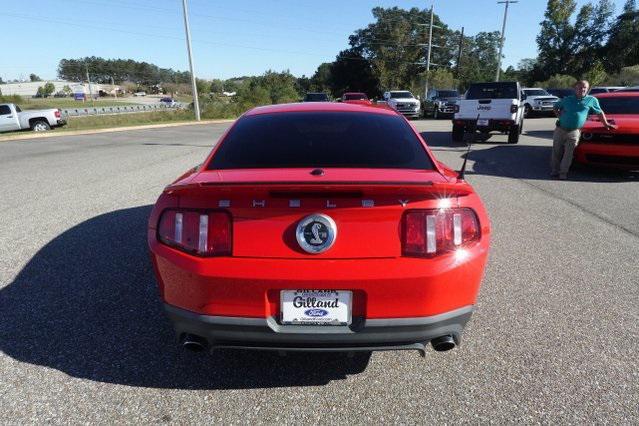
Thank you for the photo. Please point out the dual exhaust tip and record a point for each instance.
(198, 344)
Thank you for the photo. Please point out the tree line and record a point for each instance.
(389, 54)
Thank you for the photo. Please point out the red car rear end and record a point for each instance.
(618, 148)
(303, 231)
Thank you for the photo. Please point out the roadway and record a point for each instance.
(83, 337)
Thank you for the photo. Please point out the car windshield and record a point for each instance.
(316, 97)
(321, 139)
(492, 91)
(621, 105)
(536, 92)
(399, 95)
(448, 94)
(355, 97)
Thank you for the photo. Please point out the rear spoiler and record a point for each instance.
(426, 190)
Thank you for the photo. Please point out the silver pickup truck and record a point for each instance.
(13, 118)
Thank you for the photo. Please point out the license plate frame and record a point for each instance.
(329, 308)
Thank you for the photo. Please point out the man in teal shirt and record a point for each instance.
(572, 112)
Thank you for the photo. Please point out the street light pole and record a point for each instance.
(503, 29)
(196, 103)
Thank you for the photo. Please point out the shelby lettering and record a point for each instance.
(312, 302)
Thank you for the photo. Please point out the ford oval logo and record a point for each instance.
(316, 312)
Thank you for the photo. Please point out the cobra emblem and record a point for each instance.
(316, 237)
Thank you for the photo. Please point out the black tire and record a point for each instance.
(513, 134)
(527, 110)
(458, 133)
(40, 126)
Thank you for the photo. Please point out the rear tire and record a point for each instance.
(458, 133)
(513, 134)
(40, 126)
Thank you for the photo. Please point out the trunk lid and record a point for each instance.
(268, 204)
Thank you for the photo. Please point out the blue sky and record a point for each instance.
(230, 38)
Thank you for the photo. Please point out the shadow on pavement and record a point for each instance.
(520, 161)
(533, 162)
(86, 304)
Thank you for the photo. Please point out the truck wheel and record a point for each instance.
(40, 126)
(513, 134)
(458, 133)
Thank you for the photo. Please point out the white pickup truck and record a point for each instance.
(403, 102)
(489, 107)
(38, 120)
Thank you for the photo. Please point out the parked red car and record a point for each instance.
(356, 98)
(618, 148)
(320, 227)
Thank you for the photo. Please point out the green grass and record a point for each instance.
(62, 103)
(124, 120)
(209, 110)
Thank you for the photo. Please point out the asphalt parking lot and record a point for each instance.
(83, 337)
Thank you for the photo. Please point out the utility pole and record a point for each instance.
(503, 29)
(196, 103)
(430, 46)
(459, 53)
(86, 67)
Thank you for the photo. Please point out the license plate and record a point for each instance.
(482, 122)
(316, 307)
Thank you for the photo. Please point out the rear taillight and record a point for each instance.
(57, 113)
(428, 233)
(513, 109)
(199, 232)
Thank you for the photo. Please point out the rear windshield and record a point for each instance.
(448, 94)
(355, 97)
(321, 139)
(535, 92)
(316, 97)
(492, 91)
(629, 105)
(400, 95)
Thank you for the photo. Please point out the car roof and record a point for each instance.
(319, 107)
(617, 95)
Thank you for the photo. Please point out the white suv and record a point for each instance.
(403, 102)
(537, 100)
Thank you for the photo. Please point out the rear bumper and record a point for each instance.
(493, 125)
(362, 334)
(619, 156)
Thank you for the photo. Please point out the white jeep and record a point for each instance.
(489, 107)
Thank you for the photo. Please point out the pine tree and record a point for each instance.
(622, 49)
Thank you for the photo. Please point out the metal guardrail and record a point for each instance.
(110, 110)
